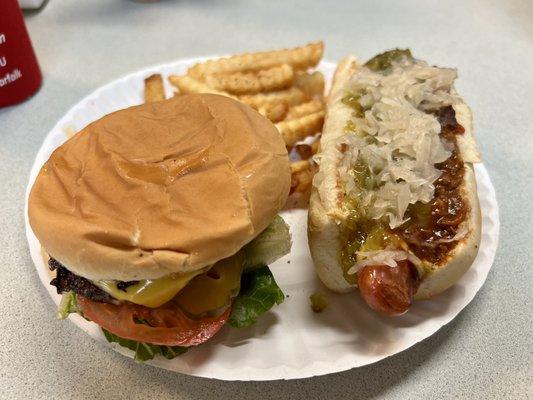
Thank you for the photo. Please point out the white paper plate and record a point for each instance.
(290, 341)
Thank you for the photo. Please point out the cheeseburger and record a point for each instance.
(160, 220)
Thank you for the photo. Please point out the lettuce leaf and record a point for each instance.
(145, 351)
(273, 243)
(68, 305)
(259, 293)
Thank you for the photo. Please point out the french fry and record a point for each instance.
(300, 110)
(300, 58)
(186, 84)
(311, 84)
(299, 166)
(315, 146)
(302, 173)
(297, 129)
(291, 96)
(153, 88)
(276, 78)
(274, 112)
(251, 82)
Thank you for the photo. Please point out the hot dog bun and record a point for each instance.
(323, 227)
(326, 212)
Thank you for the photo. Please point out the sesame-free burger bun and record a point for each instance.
(160, 188)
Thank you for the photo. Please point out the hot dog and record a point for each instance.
(394, 208)
(386, 289)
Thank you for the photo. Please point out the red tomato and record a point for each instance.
(168, 324)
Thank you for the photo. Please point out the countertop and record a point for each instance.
(486, 352)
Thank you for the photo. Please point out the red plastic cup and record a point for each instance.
(20, 76)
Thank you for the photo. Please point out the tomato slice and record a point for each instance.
(168, 324)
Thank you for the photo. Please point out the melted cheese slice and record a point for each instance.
(150, 292)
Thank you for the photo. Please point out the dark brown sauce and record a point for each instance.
(440, 219)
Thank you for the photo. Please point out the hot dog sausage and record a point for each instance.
(388, 290)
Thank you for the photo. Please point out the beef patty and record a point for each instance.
(66, 281)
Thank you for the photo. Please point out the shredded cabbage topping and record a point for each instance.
(387, 157)
(387, 256)
(393, 138)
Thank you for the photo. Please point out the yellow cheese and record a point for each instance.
(150, 292)
(214, 289)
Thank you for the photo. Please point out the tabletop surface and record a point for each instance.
(486, 352)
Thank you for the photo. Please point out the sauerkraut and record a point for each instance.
(394, 135)
(387, 256)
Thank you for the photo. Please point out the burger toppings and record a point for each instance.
(401, 168)
(148, 292)
(165, 325)
(208, 293)
(259, 293)
(66, 281)
(237, 290)
(270, 245)
(145, 351)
